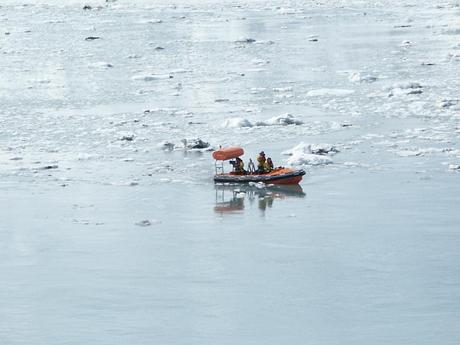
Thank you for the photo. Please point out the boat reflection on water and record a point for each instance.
(231, 198)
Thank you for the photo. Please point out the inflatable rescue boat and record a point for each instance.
(278, 175)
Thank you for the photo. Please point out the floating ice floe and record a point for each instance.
(405, 88)
(454, 167)
(449, 103)
(259, 62)
(258, 185)
(147, 222)
(245, 40)
(127, 137)
(428, 151)
(302, 155)
(329, 92)
(282, 89)
(100, 64)
(195, 144)
(282, 120)
(406, 43)
(358, 77)
(237, 122)
(150, 77)
(152, 21)
(317, 149)
(49, 167)
(454, 55)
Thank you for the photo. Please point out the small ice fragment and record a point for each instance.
(409, 153)
(406, 43)
(153, 21)
(150, 77)
(259, 62)
(454, 167)
(405, 88)
(100, 64)
(258, 185)
(166, 145)
(245, 40)
(357, 77)
(127, 137)
(144, 222)
(48, 167)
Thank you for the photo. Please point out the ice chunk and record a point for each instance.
(317, 149)
(448, 103)
(245, 40)
(195, 143)
(405, 88)
(152, 21)
(283, 120)
(147, 222)
(258, 185)
(166, 145)
(49, 167)
(100, 64)
(259, 62)
(302, 155)
(282, 89)
(127, 137)
(357, 77)
(406, 43)
(237, 122)
(150, 77)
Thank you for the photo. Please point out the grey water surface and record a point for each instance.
(109, 236)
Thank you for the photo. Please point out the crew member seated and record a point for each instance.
(268, 165)
(238, 165)
(261, 162)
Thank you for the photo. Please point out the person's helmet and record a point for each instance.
(262, 153)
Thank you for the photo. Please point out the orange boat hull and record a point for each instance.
(279, 176)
